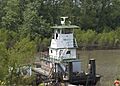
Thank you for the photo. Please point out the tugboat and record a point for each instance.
(62, 64)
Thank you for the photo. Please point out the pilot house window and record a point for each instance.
(68, 52)
(56, 35)
(51, 51)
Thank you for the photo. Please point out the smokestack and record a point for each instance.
(92, 67)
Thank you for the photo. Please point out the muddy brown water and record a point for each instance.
(107, 64)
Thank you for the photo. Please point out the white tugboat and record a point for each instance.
(62, 65)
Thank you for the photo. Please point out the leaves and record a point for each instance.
(11, 19)
(22, 52)
(25, 25)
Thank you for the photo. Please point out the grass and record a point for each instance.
(107, 64)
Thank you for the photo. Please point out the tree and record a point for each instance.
(34, 24)
(12, 15)
(3, 61)
(22, 53)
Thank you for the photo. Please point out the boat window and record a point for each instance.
(67, 31)
(51, 51)
(56, 35)
(68, 52)
(62, 19)
(52, 36)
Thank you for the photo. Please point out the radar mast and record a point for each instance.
(63, 20)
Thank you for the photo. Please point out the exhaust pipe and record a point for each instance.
(92, 67)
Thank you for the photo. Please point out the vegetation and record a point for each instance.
(25, 28)
(102, 40)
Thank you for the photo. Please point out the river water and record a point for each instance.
(107, 64)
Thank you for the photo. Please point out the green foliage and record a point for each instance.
(66, 8)
(19, 53)
(99, 14)
(79, 36)
(89, 37)
(33, 24)
(3, 35)
(44, 44)
(105, 39)
(25, 25)
(85, 38)
(12, 17)
(8, 37)
(3, 61)
(22, 52)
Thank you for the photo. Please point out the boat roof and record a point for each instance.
(65, 27)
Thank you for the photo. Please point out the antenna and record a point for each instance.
(63, 20)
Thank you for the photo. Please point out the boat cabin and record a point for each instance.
(63, 44)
